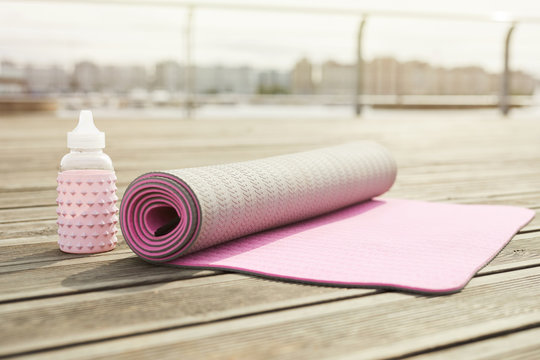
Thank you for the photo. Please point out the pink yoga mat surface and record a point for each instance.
(313, 217)
(391, 243)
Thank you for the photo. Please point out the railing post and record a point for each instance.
(359, 89)
(504, 101)
(188, 68)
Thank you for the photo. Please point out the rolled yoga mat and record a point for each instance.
(312, 217)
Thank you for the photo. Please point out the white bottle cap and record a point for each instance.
(86, 135)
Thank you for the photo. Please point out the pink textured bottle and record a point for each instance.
(87, 211)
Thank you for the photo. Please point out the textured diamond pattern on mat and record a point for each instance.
(242, 198)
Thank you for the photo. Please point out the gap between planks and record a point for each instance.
(331, 328)
(518, 345)
(529, 198)
(74, 299)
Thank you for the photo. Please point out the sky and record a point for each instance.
(45, 32)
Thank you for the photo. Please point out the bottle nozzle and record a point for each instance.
(86, 120)
(86, 135)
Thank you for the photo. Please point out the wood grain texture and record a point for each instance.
(56, 305)
(123, 312)
(54, 278)
(512, 346)
(68, 317)
(378, 326)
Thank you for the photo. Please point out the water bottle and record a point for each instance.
(87, 211)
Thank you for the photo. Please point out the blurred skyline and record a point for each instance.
(64, 33)
(382, 76)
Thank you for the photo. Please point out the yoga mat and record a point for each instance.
(313, 217)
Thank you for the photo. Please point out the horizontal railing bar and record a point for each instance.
(301, 9)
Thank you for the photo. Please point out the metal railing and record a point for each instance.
(360, 98)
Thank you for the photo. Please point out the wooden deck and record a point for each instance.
(60, 306)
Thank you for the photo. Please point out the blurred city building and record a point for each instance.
(122, 79)
(383, 76)
(337, 78)
(302, 77)
(274, 82)
(85, 77)
(46, 79)
(416, 78)
(169, 76)
(387, 76)
(221, 79)
(12, 79)
(522, 83)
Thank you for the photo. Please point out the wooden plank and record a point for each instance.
(11, 232)
(32, 253)
(27, 214)
(38, 181)
(514, 346)
(479, 165)
(20, 233)
(213, 141)
(523, 250)
(54, 278)
(458, 161)
(33, 178)
(46, 252)
(534, 225)
(22, 198)
(526, 197)
(24, 252)
(51, 273)
(73, 319)
(33, 198)
(15, 199)
(360, 327)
